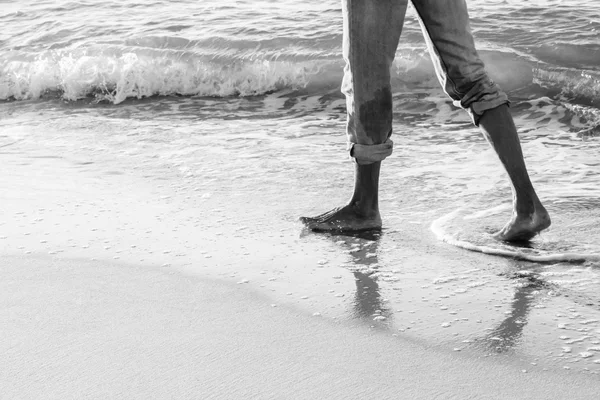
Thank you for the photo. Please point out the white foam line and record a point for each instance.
(438, 228)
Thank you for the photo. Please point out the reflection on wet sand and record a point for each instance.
(368, 303)
(507, 334)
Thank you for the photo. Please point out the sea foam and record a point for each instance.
(115, 77)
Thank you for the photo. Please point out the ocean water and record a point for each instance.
(193, 64)
(241, 100)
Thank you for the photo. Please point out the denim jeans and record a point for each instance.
(371, 33)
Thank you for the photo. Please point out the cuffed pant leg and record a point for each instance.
(371, 32)
(447, 31)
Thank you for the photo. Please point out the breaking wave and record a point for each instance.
(114, 75)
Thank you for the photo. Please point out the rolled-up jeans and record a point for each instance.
(371, 33)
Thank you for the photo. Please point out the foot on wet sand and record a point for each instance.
(343, 219)
(524, 227)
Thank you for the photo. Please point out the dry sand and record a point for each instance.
(81, 329)
(118, 283)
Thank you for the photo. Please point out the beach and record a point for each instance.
(120, 282)
(82, 329)
(156, 158)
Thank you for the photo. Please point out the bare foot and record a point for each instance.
(343, 219)
(524, 227)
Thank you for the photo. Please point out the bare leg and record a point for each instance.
(529, 215)
(371, 33)
(461, 72)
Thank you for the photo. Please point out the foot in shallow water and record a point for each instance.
(524, 227)
(343, 219)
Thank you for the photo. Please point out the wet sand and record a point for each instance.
(84, 329)
(121, 281)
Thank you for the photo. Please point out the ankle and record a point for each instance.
(525, 209)
(524, 201)
(365, 207)
(365, 200)
(529, 207)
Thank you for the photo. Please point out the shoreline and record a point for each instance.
(340, 300)
(98, 329)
